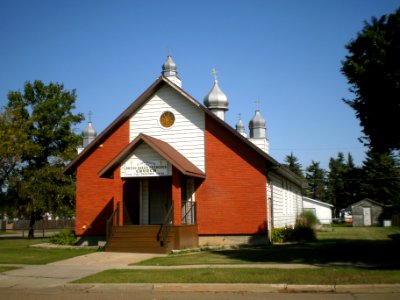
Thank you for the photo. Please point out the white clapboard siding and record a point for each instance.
(286, 202)
(187, 133)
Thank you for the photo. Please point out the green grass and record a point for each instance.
(248, 275)
(5, 269)
(376, 246)
(18, 251)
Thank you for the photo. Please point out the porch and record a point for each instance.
(151, 238)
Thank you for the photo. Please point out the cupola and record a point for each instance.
(216, 100)
(257, 126)
(258, 131)
(240, 127)
(89, 133)
(169, 71)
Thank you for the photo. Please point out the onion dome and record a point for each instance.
(240, 127)
(257, 126)
(257, 121)
(169, 71)
(88, 134)
(169, 67)
(216, 100)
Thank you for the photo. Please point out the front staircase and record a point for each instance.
(146, 238)
(137, 238)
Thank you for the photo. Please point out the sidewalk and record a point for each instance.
(60, 274)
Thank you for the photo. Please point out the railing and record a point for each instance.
(166, 226)
(111, 222)
(189, 216)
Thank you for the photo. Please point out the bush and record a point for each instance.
(302, 233)
(282, 235)
(65, 237)
(307, 219)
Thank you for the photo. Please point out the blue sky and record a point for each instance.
(287, 54)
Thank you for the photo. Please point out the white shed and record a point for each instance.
(322, 210)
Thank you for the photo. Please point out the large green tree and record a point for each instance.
(343, 181)
(381, 179)
(45, 144)
(372, 68)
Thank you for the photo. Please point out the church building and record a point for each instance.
(170, 173)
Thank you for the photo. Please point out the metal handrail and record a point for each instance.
(166, 226)
(191, 212)
(112, 221)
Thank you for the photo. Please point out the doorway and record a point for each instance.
(367, 216)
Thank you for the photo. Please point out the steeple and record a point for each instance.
(169, 71)
(216, 100)
(89, 133)
(258, 130)
(240, 127)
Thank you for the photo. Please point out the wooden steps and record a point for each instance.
(136, 238)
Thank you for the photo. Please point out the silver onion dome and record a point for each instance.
(240, 127)
(169, 67)
(216, 98)
(257, 121)
(88, 134)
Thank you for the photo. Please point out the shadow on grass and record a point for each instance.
(364, 253)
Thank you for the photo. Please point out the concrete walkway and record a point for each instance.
(61, 274)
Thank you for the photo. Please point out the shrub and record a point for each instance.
(65, 237)
(307, 219)
(302, 233)
(282, 235)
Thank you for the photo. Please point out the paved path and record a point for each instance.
(65, 271)
(58, 275)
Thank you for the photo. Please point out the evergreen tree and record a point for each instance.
(292, 162)
(343, 182)
(381, 179)
(316, 180)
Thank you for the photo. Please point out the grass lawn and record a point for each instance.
(375, 246)
(17, 251)
(379, 246)
(327, 276)
(5, 269)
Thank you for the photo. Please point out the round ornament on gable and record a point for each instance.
(167, 119)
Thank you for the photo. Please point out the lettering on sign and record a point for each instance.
(145, 168)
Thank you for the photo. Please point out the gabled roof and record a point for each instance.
(316, 201)
(145, 96)
(367, 200)
(164, 149)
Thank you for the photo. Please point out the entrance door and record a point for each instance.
(367, 216)
(160, 196)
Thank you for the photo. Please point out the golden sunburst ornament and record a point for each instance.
(167, 119)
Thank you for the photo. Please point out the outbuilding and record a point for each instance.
(322, 210)
(366, 212)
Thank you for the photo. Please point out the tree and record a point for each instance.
(381, 179)
(316, 180)
(343, 181)
(45, 114)
(372, 69)
(292, 162)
